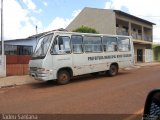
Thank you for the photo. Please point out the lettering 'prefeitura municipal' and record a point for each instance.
(108, 57)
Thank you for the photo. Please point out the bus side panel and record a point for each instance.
(79, 64)
(61, 61)
(89, 63)
(97, 62)
(126, 60)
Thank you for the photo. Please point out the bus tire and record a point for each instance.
(63, 77)
(113, 70)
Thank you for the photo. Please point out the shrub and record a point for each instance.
(85, 29)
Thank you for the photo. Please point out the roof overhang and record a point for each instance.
(142, 42)
(133, 17)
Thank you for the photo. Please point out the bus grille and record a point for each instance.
(33, 68)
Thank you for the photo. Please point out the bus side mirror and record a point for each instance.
(152, 106)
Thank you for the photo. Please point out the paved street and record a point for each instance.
(122, 94)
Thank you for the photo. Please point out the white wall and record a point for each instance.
(2, 66)
(148, 55)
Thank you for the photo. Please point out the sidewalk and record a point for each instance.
(16, 80)
(147, 64)
(20, 80)
(139, 65)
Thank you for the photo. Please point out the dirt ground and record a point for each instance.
(122, 94)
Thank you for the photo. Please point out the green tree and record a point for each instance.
(85, 29)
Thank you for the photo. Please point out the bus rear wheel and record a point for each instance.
(113, 70)
(63, 77)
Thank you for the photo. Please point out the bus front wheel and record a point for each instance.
(63, 77)
(113, 70)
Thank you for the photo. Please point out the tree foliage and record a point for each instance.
(85, 29)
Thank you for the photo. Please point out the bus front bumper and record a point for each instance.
(40, 76)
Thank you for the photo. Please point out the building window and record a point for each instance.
(109, 44)
(126, 28)
(140, 31)
(24, 50)
(10, 49)
(92, 44)
(18, 50)
(76, 43)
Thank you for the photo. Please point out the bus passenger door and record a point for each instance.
(61, 52)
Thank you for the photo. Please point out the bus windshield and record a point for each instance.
(42, 46)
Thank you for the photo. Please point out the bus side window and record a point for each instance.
(109, 44)
(55, 48)
(61, 45)
(64, 44)
(76, 43)
(123, 44)
(92, 44)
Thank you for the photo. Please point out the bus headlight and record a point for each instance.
(43, 70)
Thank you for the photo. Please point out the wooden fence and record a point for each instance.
(17, 64)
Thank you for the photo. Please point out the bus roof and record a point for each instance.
(92, 34)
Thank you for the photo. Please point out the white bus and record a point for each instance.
(61, 55)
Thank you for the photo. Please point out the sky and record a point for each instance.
(22, 16)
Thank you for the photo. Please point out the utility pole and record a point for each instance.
(2, 27)
(36, 30)
(36, 34)
(2, 42)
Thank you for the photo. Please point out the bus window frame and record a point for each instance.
(124, 44)
(116, 46)
(53, 45)
(93, 51)
(82, 45)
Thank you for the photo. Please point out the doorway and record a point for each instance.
(139, 55)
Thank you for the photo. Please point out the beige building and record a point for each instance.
(107, 21)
